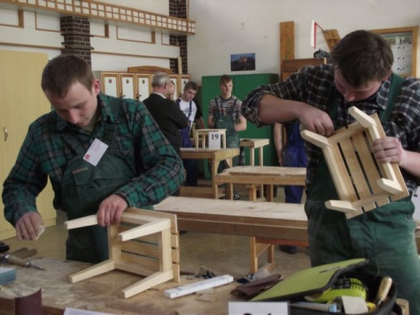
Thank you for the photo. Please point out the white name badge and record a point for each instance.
(95, 152)
(214, 140)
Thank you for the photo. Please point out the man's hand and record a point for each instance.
(316, 120)
(388, 150)
(111, 209)
(28, 226)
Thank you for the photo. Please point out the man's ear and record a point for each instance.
(96, 86)
(387, 76)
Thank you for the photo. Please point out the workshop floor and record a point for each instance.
(222, 254)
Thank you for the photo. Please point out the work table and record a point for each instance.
(102, 293)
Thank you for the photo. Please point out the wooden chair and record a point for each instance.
(145, 243)
(362, 184)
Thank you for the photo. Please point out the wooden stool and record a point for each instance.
(201, 134)
(362, 184)
(146, 243)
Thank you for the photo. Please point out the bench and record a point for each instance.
(266, 220)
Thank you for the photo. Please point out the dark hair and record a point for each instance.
(225, 79)
(191, 86)
(362, 57)
(63, 71)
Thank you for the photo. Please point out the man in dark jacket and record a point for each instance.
(167, 115)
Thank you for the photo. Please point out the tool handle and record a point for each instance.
(383, 290)
(16, 260)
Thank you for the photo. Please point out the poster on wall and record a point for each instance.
(402, 48)
(242, 62)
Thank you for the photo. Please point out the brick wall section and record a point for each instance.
(178, 8)
(76, 32)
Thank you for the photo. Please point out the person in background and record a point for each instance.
(225, 113)
(290, 153)
(171, 91)
(193, 114)
(101, 154)
(167, 115)
(319, 97)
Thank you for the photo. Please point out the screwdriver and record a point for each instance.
(383, 291)
(19, 261)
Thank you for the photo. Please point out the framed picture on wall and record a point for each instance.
(242, 62)
(403, 41)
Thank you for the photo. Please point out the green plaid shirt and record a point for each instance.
(45, 153)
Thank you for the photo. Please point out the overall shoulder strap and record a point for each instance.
(190, 111)
(109, 127)
(394, 91)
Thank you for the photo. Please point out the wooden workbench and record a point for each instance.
(260, 176)
(262, 219)
(101, 293)
(266, 220)
(255, 176)
(214, 156)
(252, 145)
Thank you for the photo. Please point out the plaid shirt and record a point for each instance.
(315, 86)
(45, 153)
(225, 107)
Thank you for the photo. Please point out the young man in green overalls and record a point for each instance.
(225, 113)
(102, 154)
(319, 97)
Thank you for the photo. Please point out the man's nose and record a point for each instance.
(349, 96)
(72, 117)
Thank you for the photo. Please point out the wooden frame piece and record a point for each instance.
(405, 60)
(362, 183)
(145, 243)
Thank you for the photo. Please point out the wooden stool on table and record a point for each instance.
(145, 243)
(201, 134)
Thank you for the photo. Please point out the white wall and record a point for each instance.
(225, 27)
(126, 46)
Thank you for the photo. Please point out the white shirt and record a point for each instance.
(185, 106)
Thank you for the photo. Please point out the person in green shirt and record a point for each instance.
(102, 154)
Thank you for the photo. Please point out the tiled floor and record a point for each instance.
(222, 254)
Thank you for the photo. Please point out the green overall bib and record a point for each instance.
(232, 136)
(384, 235)
(84, 186)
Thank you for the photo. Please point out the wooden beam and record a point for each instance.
(331, 37)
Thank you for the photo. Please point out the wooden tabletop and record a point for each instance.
(201, 153)
(235, 217)
(263, 175)
(101, 293)
(254, 143)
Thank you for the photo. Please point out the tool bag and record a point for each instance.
(314, 281)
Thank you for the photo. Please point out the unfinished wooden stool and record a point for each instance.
(361, 182)
(145, 243)
(200, 136)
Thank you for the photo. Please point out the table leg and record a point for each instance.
(229, 191)
(261, 156)
(214, 167)
(251, 156)
(270, 193)
(261, 161)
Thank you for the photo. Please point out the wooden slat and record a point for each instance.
(356, 171)
(140, 248)
(140, 261)
(370, 167)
